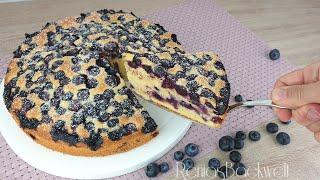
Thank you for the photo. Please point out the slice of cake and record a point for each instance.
(194, 86)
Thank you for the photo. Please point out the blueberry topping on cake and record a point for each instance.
(63, 84)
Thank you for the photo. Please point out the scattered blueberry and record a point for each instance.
(274, 54)
(226, 143)
(254, 136)
(238, 98)
(239, 168)
(191, 149)
(238, 143)
(214, 163)
(164, 167)
(272, 128)
(224, 172)
(235, 156)
(178, 155)
(283, 138)
(152, 170)
(241, 135)
(187, 164)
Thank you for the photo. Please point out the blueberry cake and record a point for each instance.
(64, 90)
(192, 85)
(66, 84)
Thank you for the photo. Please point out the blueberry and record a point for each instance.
(152, 170)
(115, 135)
(181, 90)
(254, 136)
(44, 108)
(58, 93)
(75, 68)
(191, 77)
(59, 75)
(241, 135)
(192, 86)
(226, 143)
(89, 110)
(187, 164)
(180, 74)
(75, 60)
(64, 81)
(93, 70)
(135, 63)
(238, 98)
(67, 96)
(168, 83)
(79, 80)
(164, 167)
(274, 54)
(218, 65)
(94, 141)
(118, 111)
(239, 168)
(56, 64)
(129, 128)
(283, 138)
(286, 122)
(207, 93)
(235, 156)
(91, 83)
(149, 126)
(77, 118)
(48, 85)
(238, 143)
(44, 96)
(108, 94)
(61, 110)
(272, 128)
(178, 155)
(224, 172)
(112, 122)
(101, 62)
(83, 94)
(89, 126)
(54, 102)
(74, 105)
(214, 163)
(112, 80)
(191, 149)
(159, 71)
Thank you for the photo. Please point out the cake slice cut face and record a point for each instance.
(194, 86)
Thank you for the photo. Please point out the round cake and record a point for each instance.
(67, 88)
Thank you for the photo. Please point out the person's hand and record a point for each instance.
(300, 90)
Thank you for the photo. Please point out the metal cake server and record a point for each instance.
(255, 103)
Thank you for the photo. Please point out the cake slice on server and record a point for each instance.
(192, 85)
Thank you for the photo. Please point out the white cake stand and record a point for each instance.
(171, 127)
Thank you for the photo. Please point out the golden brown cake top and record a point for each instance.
(61, 77)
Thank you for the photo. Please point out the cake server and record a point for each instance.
(255, 103)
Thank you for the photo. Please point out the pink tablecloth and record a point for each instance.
(199, 25)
